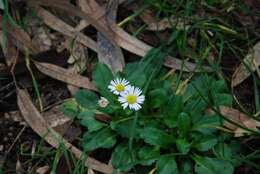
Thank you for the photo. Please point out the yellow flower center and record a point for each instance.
(131, 99)
(120, 87)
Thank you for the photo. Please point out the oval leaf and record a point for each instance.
(87, 99)
(104, 138)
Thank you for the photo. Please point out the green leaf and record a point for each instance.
(205, 165)
(206, 144)
(138, 72)
(166, 165)
(219, 86)
(87, 99)
(103, 138)
(223, 99)
(147, 154)
(122, 157)
(123, 128)
(70, 108)
(102, 76)
(88, 120)
(2, 4)
(184, 124)
(186, 166)
(158, 97)
(183, 146)
(157, 137)
(137, 77)
(207, 124)
(173, 108)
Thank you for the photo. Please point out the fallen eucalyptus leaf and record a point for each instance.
(64, 75)
(252, 61)
(239, 118)
(108, 53)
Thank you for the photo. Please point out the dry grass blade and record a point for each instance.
(58, 25)
(252, 60)
(40, 126)
(64, 75)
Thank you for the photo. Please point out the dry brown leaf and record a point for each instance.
(42, 170)
(40, 126)
(58, 25)
(57, 120)
(42, 39)
(252, 60)
(119, 36)
(90, 171)
(110, 54)
(54, 117)
(64, 75)
(20, 38)
(18, 167)
(239, 118)
(9, 50)
(140, 48)
(77, 61)
(71, 9)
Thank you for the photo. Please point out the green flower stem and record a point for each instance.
(133, 131)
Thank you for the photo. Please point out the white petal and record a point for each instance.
(113, 83)
(125, 105)
(111, 87)
(124, 94)
(121, 99)
(140, 99)
(137, 106)
(118, 80)
(131, 106)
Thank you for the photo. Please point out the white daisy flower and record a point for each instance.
(118, 85)
(132, 98)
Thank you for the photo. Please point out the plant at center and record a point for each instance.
(154, 121)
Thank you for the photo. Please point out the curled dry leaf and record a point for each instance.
(64, 75)
(40, 126)
(252, 60)
(42, 39)
(239, 118)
